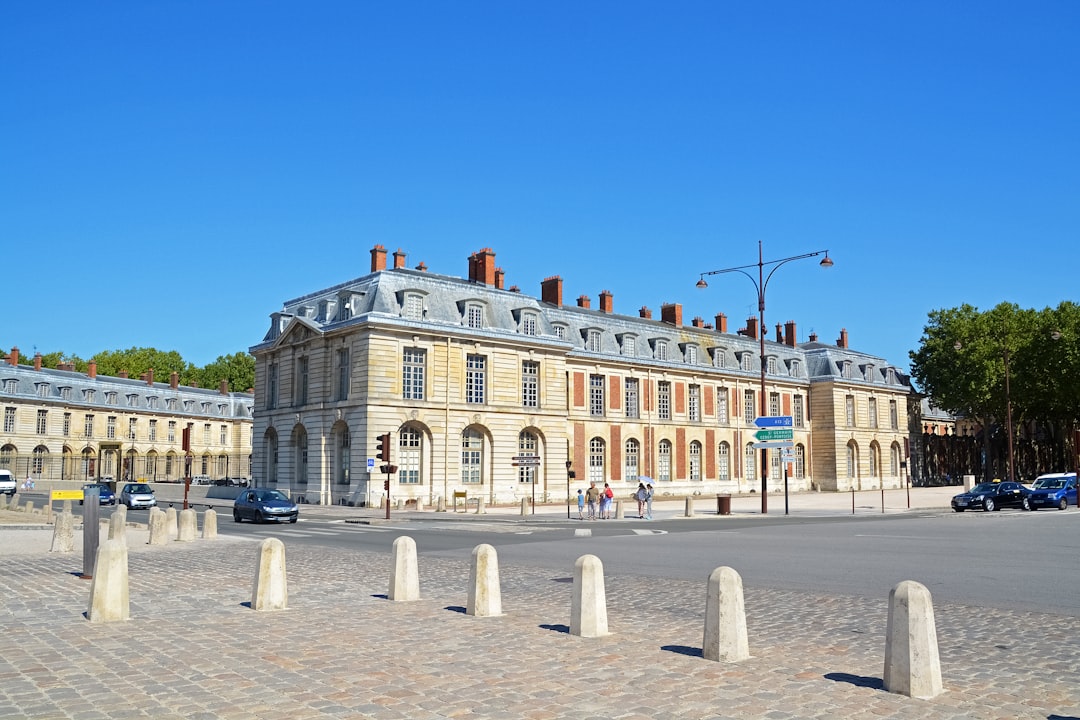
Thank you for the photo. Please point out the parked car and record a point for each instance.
(7, 482)
(992, 496)
(264, 505)
(105, 494)
(200, 480)
(138, 495)
(1053, 490)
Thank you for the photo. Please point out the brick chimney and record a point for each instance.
(37, 361)
(91, 369)
(422, 267)
(751, 328)
(789, 333)
(378, 258)
(500, 278)
(150, 377)
(842, 340)
(482, 266)
(122, 374)
(779, 333)
(813, 337)
(399, 259)
(671, 313)
(583, 301)
(721, 322)
(645, 312)
(698, 322)
(13, 358)
(551, 290)
(606, 301)
(174, 379)
(514, 288)
(223, 387)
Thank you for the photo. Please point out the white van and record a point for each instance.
(7, 482)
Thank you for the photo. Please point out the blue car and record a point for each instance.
(105, 495)
(1053, 490)
(264, 505)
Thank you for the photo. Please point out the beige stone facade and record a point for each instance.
(469, 376)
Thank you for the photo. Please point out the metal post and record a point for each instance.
(761, 353)
(785, 488)
(91, 531)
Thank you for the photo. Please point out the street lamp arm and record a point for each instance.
(826, 262)
(778, 263)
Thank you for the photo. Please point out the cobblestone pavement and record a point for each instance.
(192, 648)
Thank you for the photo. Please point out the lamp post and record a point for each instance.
(569, 476)
(760, 284)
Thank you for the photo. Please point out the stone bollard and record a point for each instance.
(187, 525)
(3, 502)
(29, 507)
(118, 525)
(912, 666)
(13, 501)
(382, 502)
(440, 505)
(689, 507)
(270, 590)
(485, 598)
(419, 504)
(400, 504)
(404, 574)
(156, 522)
(524, 506)
(109, 586)
(588, 608)
(725, 618)
(620, 513)
(171, 529)
(209, 525)
(480, 506)
(63, 539)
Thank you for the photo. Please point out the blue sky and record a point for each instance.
(171, 172)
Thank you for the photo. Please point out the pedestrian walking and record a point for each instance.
(640, 497)
(605, 503)
(592, 496)
(648, 501)
(580, 505)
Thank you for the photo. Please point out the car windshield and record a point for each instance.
(139, 488)
(267, 495)
(984, 488)
(1050, 484)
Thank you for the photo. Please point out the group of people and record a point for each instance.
(599, 501)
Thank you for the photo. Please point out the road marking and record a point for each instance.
(650, 532)
(582, 532)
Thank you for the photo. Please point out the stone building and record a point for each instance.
(470, 376)
(71, 426)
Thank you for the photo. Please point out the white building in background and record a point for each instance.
(468, 375)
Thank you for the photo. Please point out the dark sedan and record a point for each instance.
(105, 495)
(993, 496)
(263, 505)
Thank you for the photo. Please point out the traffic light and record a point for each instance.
(384, 447)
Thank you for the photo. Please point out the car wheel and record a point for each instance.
(1064, 503)
(292, 520)
(989, 506)
(1025, 503)
(958, 509)
(236, 515)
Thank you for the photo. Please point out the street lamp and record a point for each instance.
(760, 284)
(569, 477)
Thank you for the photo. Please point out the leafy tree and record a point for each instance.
(237, 369)
(135, 361)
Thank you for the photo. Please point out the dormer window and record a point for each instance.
(472, 313)
(890, 376)
(746, 361)
(88, 396)
(43, 389)
(770, 365)
(719, 357)
(529, 323)
(189, 405)
(10, 386)
(561, 331)
(152, 402)
(690, 354)
(868, 373)
(660, 350)
(412, 307)
(110, 398)
(592, 339)
(629, 345)
(65, 392)
(845, 369)
(132, 400)
(795, 368)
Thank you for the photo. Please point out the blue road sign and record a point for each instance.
(773, 421)
(371, 463)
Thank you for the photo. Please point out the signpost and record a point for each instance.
(529, 461)
(777, 435)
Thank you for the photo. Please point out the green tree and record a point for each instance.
(237, 369)
(135, 361)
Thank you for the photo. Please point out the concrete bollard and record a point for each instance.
(29, 507)
(400, 504)
(270, 590)
(912, 665)
(480, 506)
(156, 522)
(171, 529)
(404, 574)
(109, 586)
(725, 618)
(118, 525)
(689, 507)
(187, 525)
(3, 502)
(13, 502)
(209, 525)
(524, 506)
(485, 597)
(440, 505)
(63, 539)
(419, 504)
(620, 513)
(588, 608)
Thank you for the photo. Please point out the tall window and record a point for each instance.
(474, 315)
(171, 437)
(633, 405)
(719, 358)
(774, 464)
(133, 427)
(592, 340)
(153, 431)
(414, 306)
(724, 462)
(691, 355)
(300, 389)
(894, 460)
(472, 457)
(271, 386)
(770, 366)
(894, 422)
(632, 459)
(39, 459)
(223, 435)
(852, 461)
(629, 346)
(528, 445)
(722, 405)
(661, 350)
(530, 384)
(800, 461)
(749, 411)
(409, 457)
(475, 378)
(341, 358)
(663, 460)
(528, 323)
(412, 373)
(88, 426)
(66, 431)
(746, 361)
(42, 421)
(849, 407)
(110, 427)
(596, 461)
(694, 403)
(797, 411)
(596, 395)
(695, 460)
(663, 400)
(749, 469)
(875, 460)
(871, 410)
(9, 419)
(774, 404)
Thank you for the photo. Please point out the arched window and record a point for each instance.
(749, 473)
(852, 461)
(596, 460)
(410, 444)
(41, 455)
(528, 444)
(894, 460)
(632, 453)
(472, 456)
(875, 460)
(724, 462)
(271, 459)
(800, 461)
(695, 460)
(342, 457)
(663, 461)
(151, 465)
(300, 458)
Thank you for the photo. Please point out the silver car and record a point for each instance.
(138, 495)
